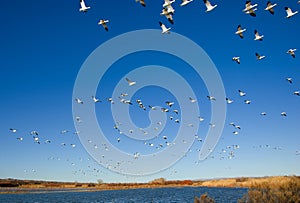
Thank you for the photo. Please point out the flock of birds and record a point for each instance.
(174, 114)
(168, 11)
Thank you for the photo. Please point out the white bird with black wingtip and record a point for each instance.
(192, 100)
(208, 5)
(257, 36)
(211, 98)
(168, 2)
(283, 114)
(236, 59)
(250, 9)
(185, 2)
(241, 93)
(130, 82)
(240, 31)
(164, 28)
(95, 99)
(289, 12)
(103, 23)
(259, 57)
(247, 101)
(290, 80)
(13, 130)
(168, 15)
(142, 2)
(83, 7)
(292, 52)
(229, 101)
(270, 7)
(79, 101)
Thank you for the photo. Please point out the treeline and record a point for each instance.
(37, 183)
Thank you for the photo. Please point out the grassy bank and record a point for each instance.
(275, 182)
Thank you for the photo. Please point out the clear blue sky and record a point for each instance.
(44, 44)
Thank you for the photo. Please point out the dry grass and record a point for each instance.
(275, 190)
(203, 199)
(273, 182)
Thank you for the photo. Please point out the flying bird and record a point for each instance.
(236, 59)
(142, 2)
(297, 93)
(20, 138)
(250, 9)
(152, 107)
(164, 28)
(283, 114)
(208, 5)
(289, 12)
(168, 2)
(169, 103)
(263, 113)
(240, 31)
(64, 131)
(79, 101)
(232, 124)
(170, 9)
(95, 99)
(83, 7)
(130, 82)
(192, 100)
(168, 15)
(292, 52)
(201, 118)
(164, 110)
(247, 101)
(211, 98)
(242, 93)
(259, 57)
(35, 133)
(257, 36)
(125, 101)
(270, 7)
(185, 2)
(103, 23)
(290, 80)
(110, 100)
(237, 127)
(229, 101)
(13, 130)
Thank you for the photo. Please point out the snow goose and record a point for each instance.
(270, 7)
(289, 12)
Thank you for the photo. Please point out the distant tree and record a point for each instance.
(100, 181)
(160, 181)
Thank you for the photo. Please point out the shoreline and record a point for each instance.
(38, 187)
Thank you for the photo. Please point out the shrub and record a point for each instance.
(285, 192)
(204, 199)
